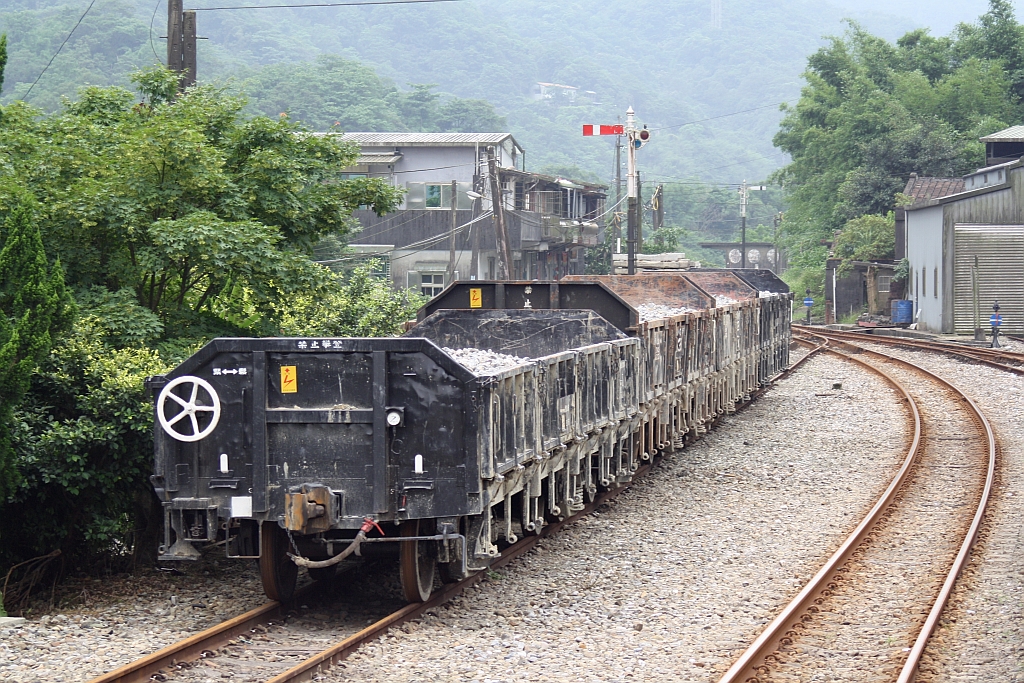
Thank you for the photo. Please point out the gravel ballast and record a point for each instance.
(673, 579)
(982, 630)
(669, 582)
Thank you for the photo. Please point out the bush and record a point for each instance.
(84, 448)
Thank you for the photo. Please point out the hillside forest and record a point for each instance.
(137, 223)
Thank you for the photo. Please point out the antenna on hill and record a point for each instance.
(716, 13)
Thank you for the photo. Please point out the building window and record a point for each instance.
(438, 196)
(431, 284)
(884, 282)
(935, 288)
(924, 282)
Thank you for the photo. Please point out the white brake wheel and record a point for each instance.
(188, 409)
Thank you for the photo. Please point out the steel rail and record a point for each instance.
(909, 671)
(753, 662)
(193, 647)
(980, 355)
(310, 668)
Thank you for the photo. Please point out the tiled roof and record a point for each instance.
(1011, 134)
(925, 188)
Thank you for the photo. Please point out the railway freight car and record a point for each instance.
(507, 405)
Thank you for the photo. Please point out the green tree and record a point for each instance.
(205, 214)
(3, 58)
(866, 238)
(35, 307)
(872, 113)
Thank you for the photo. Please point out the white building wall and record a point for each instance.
(924, 252)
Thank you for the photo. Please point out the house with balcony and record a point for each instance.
(445, 228)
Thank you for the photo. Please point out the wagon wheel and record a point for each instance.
(177, 426)
(277, 570)
(418, 563)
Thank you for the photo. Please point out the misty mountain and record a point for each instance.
(669, 60)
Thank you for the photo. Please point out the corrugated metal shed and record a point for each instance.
(1011, 134)
(428, 139)
(999, 251)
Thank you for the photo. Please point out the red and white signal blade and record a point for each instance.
(594, 129)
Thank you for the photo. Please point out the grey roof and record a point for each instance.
(1011, 134)
(368, 159)
(427, 139)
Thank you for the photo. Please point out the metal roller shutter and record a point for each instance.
(1000, 252)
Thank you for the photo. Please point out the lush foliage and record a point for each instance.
(84, 443)
(866, 238)
(179, 218)
(35, 307)
(339, 94)
(358, 305)
(872, 112)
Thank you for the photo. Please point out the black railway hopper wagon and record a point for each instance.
(507, 405)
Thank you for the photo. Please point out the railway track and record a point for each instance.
(264, 643)
(997, 358)
(869, 611)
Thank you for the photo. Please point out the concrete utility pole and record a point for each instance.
(744, 193)
(500, 236)
(631, 176)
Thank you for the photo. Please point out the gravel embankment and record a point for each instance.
(673, 579)
(981, 634)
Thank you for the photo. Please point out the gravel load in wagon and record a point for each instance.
(654, 311)
(482, 362)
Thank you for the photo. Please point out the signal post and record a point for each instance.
(635, 138)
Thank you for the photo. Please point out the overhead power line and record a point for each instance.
(721, 116)
(80, 20)
(327, 4)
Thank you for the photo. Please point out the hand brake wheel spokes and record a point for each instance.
(190, 409)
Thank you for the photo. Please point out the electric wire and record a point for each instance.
(325, 4)
(416, 246)
(720, 116)
(152, 19)
(80, 20)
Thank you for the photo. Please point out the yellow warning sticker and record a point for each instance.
(476, 297)
(289, 380)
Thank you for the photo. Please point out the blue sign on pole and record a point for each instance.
(808, 302)
(995, 320)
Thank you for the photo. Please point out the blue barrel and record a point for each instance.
(902, 311)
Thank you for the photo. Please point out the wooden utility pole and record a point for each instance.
(500, 236)
(188, 50)
(658, 206)
(181, 42)
(451, 234)
(175, 35)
